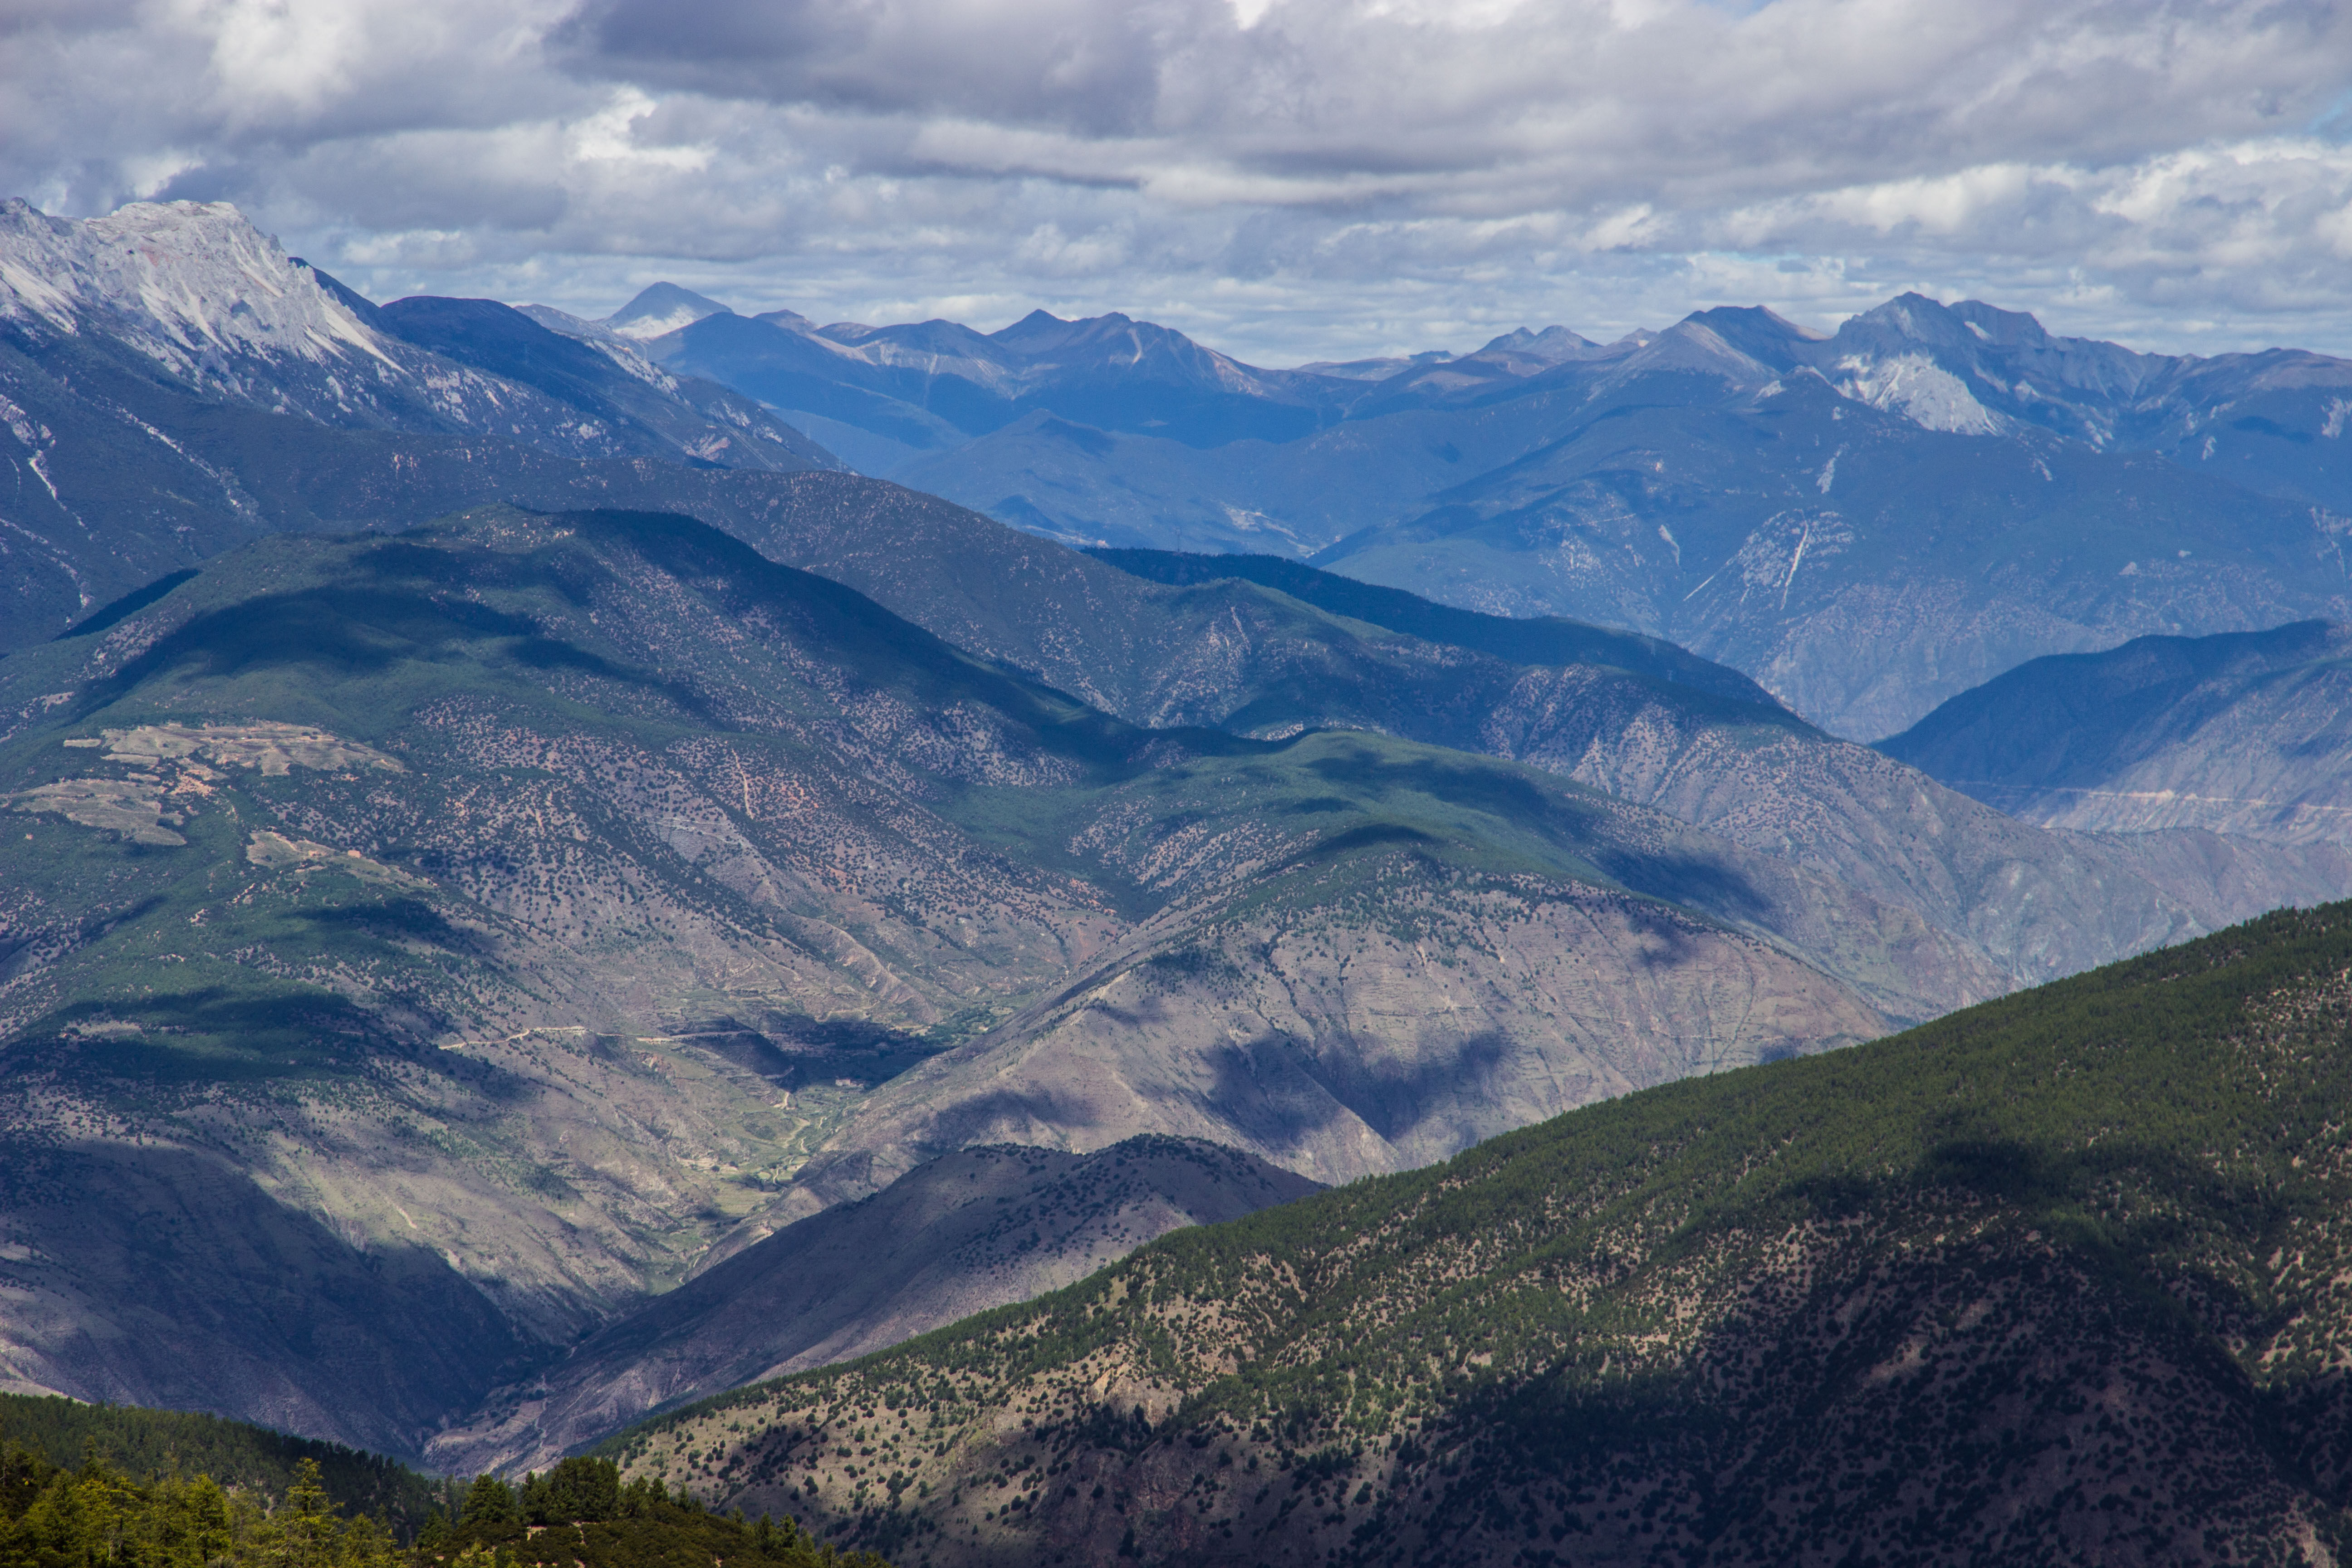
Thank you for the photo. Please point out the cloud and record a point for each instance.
(1286, 178)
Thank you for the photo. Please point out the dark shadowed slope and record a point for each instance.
(152, 1444)
(2247, 734)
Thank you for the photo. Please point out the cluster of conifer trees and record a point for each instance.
(55, 1516)
(146, 1444)
(94, 1516)
(580, 1513)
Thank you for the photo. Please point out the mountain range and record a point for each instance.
(532, 894)
(1866, 522)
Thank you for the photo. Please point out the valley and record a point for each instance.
(545, 941)
(1047, 946)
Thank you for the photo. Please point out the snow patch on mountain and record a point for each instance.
(184, 282)
(660, 309)
(1921, 390)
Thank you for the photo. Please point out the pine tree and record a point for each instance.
(490, 1501)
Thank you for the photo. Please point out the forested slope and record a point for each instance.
(2057, 1279)
(94, 1513)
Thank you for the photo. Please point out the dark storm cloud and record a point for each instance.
(1075, 64)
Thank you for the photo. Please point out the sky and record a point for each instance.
(1286, 180)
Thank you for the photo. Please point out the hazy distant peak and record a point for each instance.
(1036, 327)
(1377, 369)
(1918, 319)
(1978, 369)
(568, 324)
(1699, 343)
(1764, 336)
(1552, 345)
(1038, 332)
(661, 308)
(2003, 329)
(791, 321)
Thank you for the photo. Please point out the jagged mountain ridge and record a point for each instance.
(1672, 483)
(1861, 567)
(2240, 733)
(1736, 483)
(163, 368)
(1971, 1294)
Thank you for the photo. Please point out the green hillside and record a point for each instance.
(2057, 1279)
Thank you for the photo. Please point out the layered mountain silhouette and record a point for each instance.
(1866, 522)
(519, 864)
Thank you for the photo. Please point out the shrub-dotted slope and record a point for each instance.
(2056, 1279)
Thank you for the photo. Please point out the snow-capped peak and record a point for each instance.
(662, 309)
(185, 281)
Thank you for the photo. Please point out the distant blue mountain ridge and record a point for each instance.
(1867, 521)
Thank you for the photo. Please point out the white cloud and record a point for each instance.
(1287, 178)
(610, 136)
